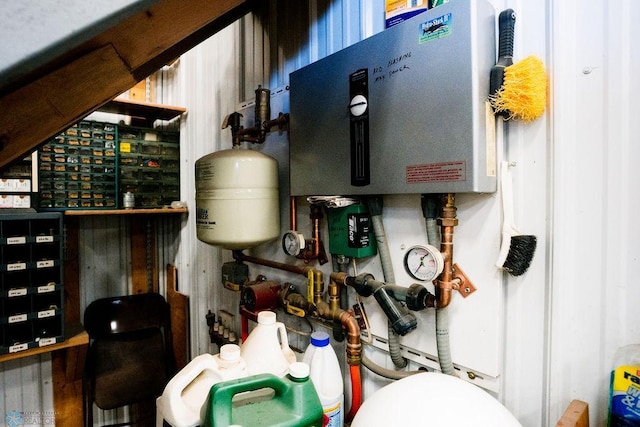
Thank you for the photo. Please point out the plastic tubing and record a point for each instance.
(384, 372)
(375, 209)
(356, 391)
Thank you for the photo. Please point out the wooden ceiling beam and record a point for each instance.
(82, 80)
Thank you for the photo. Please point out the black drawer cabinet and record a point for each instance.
(31, 281)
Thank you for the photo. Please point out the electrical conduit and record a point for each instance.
(375, 210)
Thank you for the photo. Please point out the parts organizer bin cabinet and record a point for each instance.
(92, 164)
(149, 165)
(77, 168)
(31, 284)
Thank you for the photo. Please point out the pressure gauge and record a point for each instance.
(293, 243)
(423, 263)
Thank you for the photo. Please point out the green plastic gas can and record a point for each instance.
(293, 401)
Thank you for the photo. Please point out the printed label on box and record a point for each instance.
(45, 264)
(17, 292)
(21, 240)
(46, 313)
(18, 347)
(23, 185)
(49, 287)
(17, 318)
(21, 201)
(17, 266)
(6, 201)
(44, 239)
(5, 184)
(46, 341)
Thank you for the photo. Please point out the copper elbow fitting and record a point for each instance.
(354, 346)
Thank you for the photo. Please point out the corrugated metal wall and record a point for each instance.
(576, 171)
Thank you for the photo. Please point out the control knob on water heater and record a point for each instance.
(358, 105)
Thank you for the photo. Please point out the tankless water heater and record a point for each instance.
(403, 111)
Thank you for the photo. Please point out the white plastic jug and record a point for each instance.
(326, 376)
(184, 400)
(266, 349)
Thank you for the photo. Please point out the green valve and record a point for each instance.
(351, 232)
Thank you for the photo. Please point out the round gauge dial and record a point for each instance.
(293, 243)
(423, 263)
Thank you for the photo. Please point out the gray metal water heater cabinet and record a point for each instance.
(403, 111)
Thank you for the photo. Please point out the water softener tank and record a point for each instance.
(237, 198)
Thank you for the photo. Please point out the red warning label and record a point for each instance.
(437, 172)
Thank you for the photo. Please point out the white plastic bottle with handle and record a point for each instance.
(326, 376)
(266, 349)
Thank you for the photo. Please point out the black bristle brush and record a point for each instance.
(517, 249)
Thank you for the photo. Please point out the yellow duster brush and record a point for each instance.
(517, 91)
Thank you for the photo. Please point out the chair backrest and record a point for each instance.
(130, 356)
(127, 313)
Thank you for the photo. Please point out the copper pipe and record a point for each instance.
(318, 285)
(239, 256)
(292, 213)
(313, 251)
(445, 283)
(339, 277)
(332, 311)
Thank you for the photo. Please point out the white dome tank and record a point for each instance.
(237, 198)
(433, 399)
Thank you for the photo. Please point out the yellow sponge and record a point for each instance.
(524, 91)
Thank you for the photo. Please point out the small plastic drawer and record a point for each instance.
(170, 150)
(17, 309)
(129, 159)
(170, 164)
(45, 228)
(15, 280)
(149, 148)
(46, 330)
(45, 279)
(129, 147)
(47, 304)
(17, 336)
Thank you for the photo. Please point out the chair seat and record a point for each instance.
(130, 369)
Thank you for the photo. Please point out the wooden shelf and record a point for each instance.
(150, 211)
(77, 337)
(147, 110)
